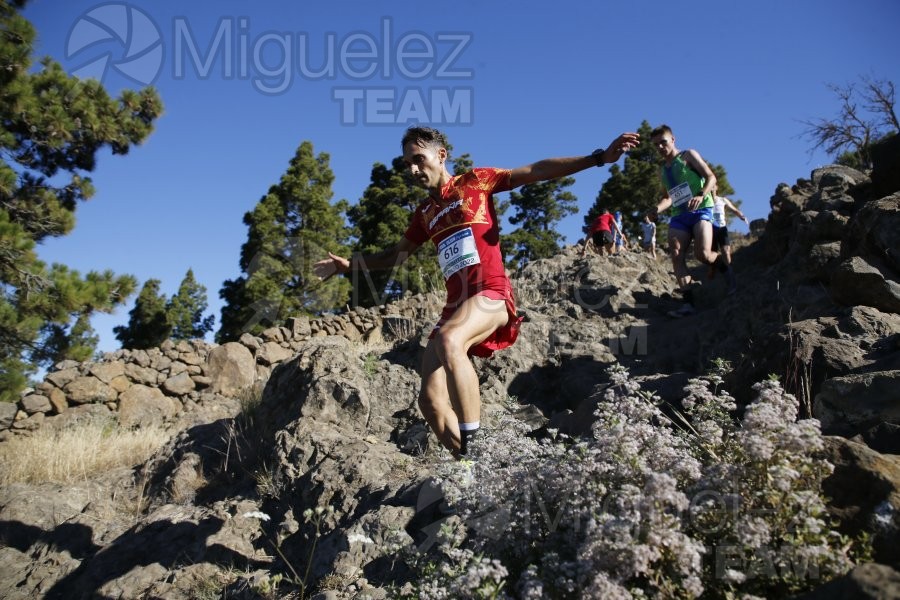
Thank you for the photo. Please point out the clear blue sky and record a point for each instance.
(510, 82)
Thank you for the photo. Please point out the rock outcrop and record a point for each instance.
(320, 413)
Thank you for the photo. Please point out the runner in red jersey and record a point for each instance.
(601, 234)
(479, 317)
(463, 225)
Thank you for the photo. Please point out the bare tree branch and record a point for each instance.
(879, 96)
(865, 116)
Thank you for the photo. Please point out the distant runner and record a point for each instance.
(620, 237)
(601, 235)
(648, 240)
(721, 243)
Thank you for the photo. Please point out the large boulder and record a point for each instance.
(822, 259)
(869, 325)
(62, 377)
(271, 353)
(141, 374)
(864, 494)
(326, 383)
(138, 565)
(860, 401)
(179, 385)
(140, 405)
(869, 581)
(35, 403)
(875, 231)
(837, 176)
(819, 226)
(84, 390)
(107, 371)
(859, 281)
(231, 368)
(81, 414)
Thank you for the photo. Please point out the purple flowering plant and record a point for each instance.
(655, 502)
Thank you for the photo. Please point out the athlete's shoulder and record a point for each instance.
(486, 178)
(691, 155)
(467, 178)
(488, 173)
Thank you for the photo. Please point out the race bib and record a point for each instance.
(681, 194)
(458, 251)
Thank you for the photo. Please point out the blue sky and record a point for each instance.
(510, 82)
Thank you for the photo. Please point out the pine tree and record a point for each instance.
(293, 226)
(538, 208)
(185, 310)
(82, 339)
(463, 164)
(51, 128)
(148, 322)
(633, 189)
(75, 343)
(379, 220)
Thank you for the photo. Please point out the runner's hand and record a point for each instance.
(331, 266)
(620, 145)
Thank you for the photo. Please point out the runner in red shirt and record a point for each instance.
(463, 226)
(480, 316)
(601, 233)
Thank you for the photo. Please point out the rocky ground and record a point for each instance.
(323, 413)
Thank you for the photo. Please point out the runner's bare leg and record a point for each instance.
(678, 246)
(450, 393)
(703, 238)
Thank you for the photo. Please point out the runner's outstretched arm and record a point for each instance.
(621, 233)
(730, 206)
(553, 168)
(386, 259)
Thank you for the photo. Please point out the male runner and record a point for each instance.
(689, 183)
(479, 316)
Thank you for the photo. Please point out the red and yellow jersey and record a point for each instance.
(463, 225)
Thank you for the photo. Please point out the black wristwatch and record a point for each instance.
(598, 156)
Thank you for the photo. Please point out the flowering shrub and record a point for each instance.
(655, 503)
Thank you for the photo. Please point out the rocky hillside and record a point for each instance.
(322, 414)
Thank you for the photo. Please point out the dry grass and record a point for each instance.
(401, 329)
(266, 482)
(76, 453)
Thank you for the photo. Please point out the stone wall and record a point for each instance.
(160, 383)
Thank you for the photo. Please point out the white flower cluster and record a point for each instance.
(655, 503)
